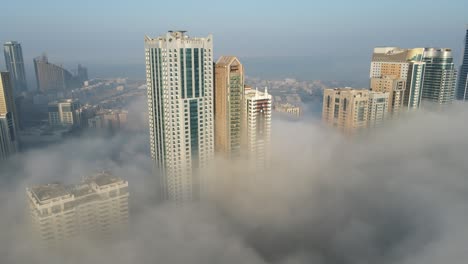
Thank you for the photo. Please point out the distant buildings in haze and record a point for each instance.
(65, 113)
(54, 78)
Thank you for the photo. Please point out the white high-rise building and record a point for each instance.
(258, 127)
(97, 206)
(179, 74)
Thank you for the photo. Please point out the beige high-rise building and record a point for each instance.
(8, 118)
(395, 87)
(377, 108)
(229, 98)
(352, 110)
(96, 207)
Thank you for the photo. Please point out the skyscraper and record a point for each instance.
(351, 110)
(229, 100)
(15, 65)
(97, 206)
(258, 127)
(429, 73)
(51, 77)
(7, 98)
(179, 74)
(439, 77)
(82, 74)
(462, 90)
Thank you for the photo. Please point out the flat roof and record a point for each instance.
(49, 191)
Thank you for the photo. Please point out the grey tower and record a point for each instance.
(15, 65)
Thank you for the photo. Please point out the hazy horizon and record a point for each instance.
(330, 36)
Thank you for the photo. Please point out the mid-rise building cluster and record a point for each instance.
(400, 80)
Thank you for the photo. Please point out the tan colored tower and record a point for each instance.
(351, 110)
(395, 87)
(229, 98)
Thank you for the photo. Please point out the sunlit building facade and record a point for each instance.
(179, 74)
(229, 99)
(352, 110)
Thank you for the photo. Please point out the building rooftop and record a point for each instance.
(103, 178)
(48, 191)
(224, 61)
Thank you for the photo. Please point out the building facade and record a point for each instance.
(7, 99)
(440, 77)
(108, 120)
(229, 100)
(179, 73)
(351, 110)
(15, 66)
(462, 87)
(258, 127)
(96, 207)
(65, 113)
(51, 77)
(378, 107)
(395, 87)
(429, 73)
(8, 137)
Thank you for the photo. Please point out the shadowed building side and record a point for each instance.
(15, 66)
(462, 89)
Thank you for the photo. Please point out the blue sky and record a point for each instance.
(104, 31)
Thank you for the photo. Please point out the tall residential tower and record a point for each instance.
(179, 74)
(15, 65)
(229, 98)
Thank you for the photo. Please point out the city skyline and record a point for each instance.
(254, 132)
(306, 27)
